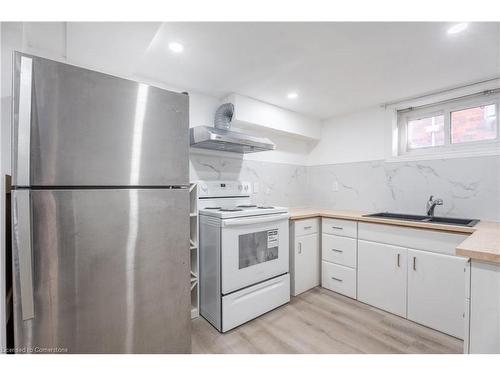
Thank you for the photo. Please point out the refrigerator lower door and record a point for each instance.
(109, 271)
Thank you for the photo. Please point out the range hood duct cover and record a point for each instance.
(221, 138)
(224, 116)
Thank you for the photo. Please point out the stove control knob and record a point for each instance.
(240, 187)
(204, 188)
(246, 187)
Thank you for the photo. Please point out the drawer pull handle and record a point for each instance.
(414, 263)
(399, 256)
(300, 247)
(338, 251)
(308, 227)
(339, 228)
(334, 278)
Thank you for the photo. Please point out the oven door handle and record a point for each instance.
(254, 220)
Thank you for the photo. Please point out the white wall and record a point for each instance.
(249, 111)
(355, 137)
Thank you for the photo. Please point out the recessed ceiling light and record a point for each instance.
(459, 27)
(292, 95)
(175, 47)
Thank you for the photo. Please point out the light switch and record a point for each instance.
(255, 187)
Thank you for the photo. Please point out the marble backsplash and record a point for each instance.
(278, 184)
(470, 187)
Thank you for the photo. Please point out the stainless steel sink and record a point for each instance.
(426, 219)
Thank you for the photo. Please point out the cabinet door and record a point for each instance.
(306, 263)
(485, 308)
(436, 291)
(467, 327)
(382, 276)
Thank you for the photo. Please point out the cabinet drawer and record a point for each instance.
(340, 279)
(416, 238)
(340, 250)
(241, 306)
(339, 227)
(306, 226)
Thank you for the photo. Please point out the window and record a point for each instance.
(426, 132)
(450, 126)
(474, 124)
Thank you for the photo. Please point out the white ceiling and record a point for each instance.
(335, 67)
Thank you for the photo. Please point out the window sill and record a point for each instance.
(449, 154)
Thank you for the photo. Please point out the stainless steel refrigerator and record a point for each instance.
(100, 212)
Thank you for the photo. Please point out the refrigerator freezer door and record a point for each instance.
(93, 129)
(110, 272)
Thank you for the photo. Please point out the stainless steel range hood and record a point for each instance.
(227, 140)
(221, 138)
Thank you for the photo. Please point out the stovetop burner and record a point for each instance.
(265, 207)
(247, 205)
(231, 209)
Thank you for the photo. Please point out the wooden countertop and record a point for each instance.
(483, 244)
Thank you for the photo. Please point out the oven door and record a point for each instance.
(253, 249)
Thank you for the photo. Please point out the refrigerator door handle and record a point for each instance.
(22, 236)
(22, 177)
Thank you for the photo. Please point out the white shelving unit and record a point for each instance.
(193, 249)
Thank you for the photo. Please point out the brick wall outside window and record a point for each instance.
(473, 124)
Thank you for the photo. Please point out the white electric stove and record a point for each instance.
(243, 254)
(242, 210)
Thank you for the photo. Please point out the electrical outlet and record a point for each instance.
(335, 186)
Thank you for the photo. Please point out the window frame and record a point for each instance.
(403, 117)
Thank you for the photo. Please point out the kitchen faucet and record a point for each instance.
(431, 205)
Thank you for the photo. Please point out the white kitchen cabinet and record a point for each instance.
(382, 271)
(467, 309)
(304, 255)
(305, 226)
(436, 291)
(339, 250)
(467, 326)
(338, 227)
(306, 263)
(338, 278)
(484, 334)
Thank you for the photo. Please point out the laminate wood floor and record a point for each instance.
(320, 321)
